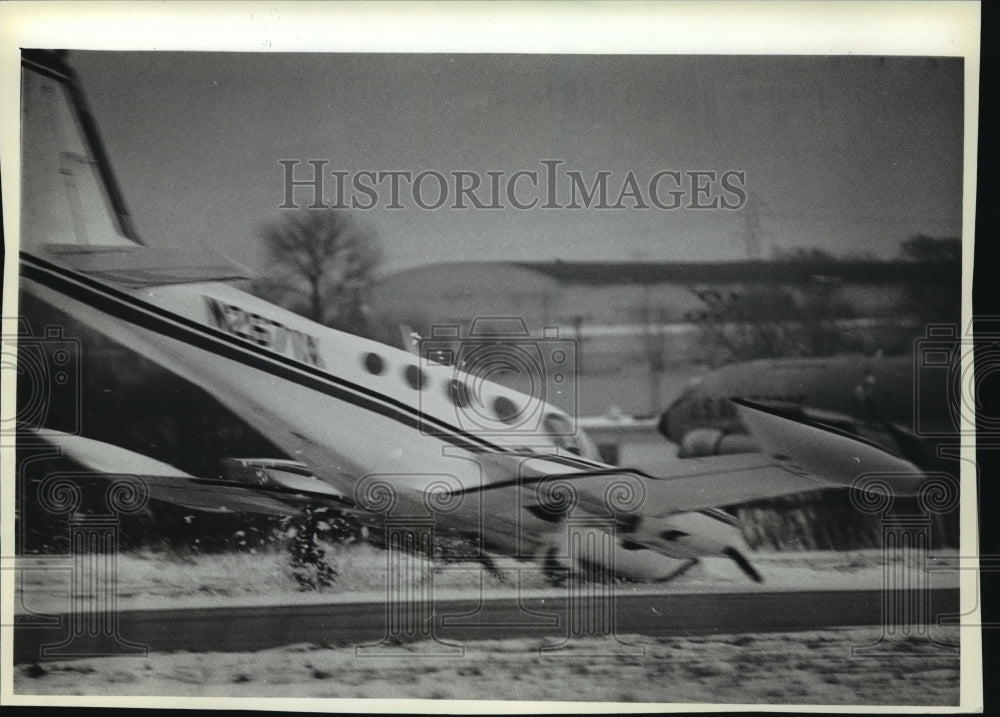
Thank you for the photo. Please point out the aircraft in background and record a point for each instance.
(882, 399)
(392, 435)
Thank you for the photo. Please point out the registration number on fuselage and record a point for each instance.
(271, 334)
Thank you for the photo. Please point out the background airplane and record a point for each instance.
(895, 401)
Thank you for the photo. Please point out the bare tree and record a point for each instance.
(321, 265)
(743, 323)
(760, 321)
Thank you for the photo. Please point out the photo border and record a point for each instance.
(800, 28)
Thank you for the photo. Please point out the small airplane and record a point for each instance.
(879, 398)
(382, 431)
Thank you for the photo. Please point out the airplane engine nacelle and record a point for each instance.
(693, 535)
(703, 442)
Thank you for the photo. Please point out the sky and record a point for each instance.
(850, 154)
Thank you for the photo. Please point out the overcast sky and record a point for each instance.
(850, 154)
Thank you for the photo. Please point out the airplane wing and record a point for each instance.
(690, 484)
(890, 436)
(105, 462)
(799, 456)
(828, 451)
(675, 514)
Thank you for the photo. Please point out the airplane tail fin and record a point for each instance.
(825, 451)
(69, 192)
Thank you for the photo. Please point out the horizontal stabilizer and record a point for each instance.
(137, 266)
(685, 485)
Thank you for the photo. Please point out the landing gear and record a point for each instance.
(741, 560)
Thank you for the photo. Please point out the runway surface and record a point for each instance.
(579, 613)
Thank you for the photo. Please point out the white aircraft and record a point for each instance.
(393, 435)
